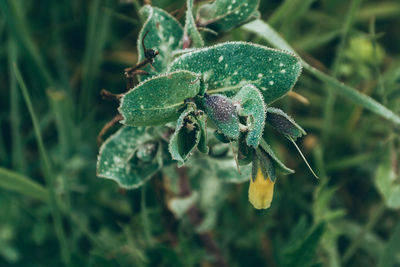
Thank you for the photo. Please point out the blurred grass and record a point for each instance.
(67, 51)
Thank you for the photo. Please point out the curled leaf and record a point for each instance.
(283, 123)
(252, 106)
(223, 113)
(186, 137)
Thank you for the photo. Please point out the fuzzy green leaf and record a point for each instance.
(285, 170)
(252, 105)
(190, 30)
(283, 123)
(164, 35)
(224, 15)
(121, 157)
(223, 113)
(159, 99)
(266, 164)
(186, 137)
(227, 67)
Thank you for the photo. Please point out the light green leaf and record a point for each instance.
(159, 99)
(227, 67)
(388, 183)
(225, 169)
(283, 123)
(224, 15)
(190, 30)
(285, 170)
(252, 105)
(223, 113)
(121, 157)
(186, 137)
(17, 182)
(164, 35)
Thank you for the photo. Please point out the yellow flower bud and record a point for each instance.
(261, 191)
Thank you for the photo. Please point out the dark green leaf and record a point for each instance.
(279, 164)
(283, 123)
(186, 137)
(190, 30)
(118, 159)
(227, 67)
(224, 15)
(266, 164)
(252, 105)
(223, 113)
(159, 99)
(221, 137)
(245, 153)
(164, 35)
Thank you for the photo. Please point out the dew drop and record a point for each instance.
(259, 75)
(220, 58)
(283, 71)
(271, 82)
(281, 64)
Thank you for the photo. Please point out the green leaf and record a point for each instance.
(190, 30)
(164, 35)
(202, 123)
(283, 123)
(122, 159)
(388, 184)
(245, 153)
(223, 113)
(227, 67)
(252, 105)
(266, 32)
(186, 137)
(224, 15)
(285, 170)
(159, 99)
(19, 183)
(266, 164)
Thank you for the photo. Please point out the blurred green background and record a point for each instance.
(54, 211)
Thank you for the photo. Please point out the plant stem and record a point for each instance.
(195, 218)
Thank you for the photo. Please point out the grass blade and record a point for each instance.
(19, 183)
(17, 156)
(47, 170)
